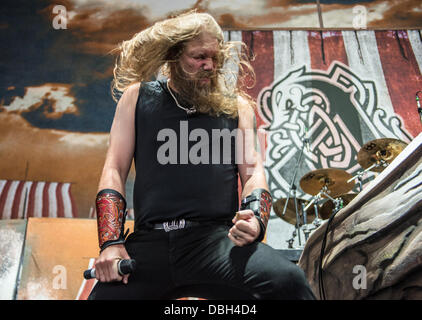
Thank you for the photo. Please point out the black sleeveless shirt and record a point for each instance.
(183, 170)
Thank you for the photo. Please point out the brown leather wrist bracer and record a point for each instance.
(111, 216)
(260, 202)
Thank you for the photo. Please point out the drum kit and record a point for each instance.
(330, 188)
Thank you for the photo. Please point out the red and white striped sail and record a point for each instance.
(392, 59)
(24, 199)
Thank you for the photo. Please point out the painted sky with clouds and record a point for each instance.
(60, 78)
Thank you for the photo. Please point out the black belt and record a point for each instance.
(175, 225)
(183, 224)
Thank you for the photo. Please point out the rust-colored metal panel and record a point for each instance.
(57, 251)
(12, 235)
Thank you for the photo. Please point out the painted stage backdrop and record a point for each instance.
(342, 88)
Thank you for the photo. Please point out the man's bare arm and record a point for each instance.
(113, 179)
(252, 175)
(121, 143)
(251, 170)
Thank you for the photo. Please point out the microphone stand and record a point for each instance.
(293, 186)
(297, 215)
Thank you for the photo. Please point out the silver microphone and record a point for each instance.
(124, 266)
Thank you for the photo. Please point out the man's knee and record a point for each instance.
(295, 284)
(290, 283)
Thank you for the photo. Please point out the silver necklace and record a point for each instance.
(189, 111)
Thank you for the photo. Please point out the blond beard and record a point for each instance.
(205, 98)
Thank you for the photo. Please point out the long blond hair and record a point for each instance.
(151, 52)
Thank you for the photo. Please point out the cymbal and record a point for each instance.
(290, 214)
(386, 149)
(334, 179)
(328, 207)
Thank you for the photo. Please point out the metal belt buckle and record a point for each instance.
(174, 225)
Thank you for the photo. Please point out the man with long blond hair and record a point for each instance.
(182, 93)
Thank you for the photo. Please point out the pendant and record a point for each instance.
(191, 111)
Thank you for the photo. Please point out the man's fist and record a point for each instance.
(246, 228)
(106, 264)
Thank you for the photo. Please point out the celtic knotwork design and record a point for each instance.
(337, 111)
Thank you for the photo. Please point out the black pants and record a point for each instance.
(202, 262)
